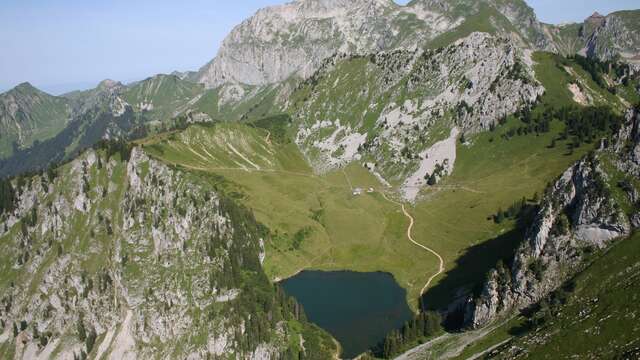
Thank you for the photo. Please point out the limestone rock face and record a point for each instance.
(138, 255)
(628, 144)
(387, 108)
(613, 35)
(280, 41)
(601, 37)
(293, 39)
(578, 212)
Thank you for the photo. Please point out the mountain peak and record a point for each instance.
(596, 19)
(26, 86)
(108, 84)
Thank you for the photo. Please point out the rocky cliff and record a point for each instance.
(123, 259)
(293, 39)
(391, 108)
(603, 37)
(614, 35)
(587, 208)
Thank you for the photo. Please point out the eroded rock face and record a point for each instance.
(139, 253)
(293, 39)
(281, 41)
(628, 144)
(578, 212)
(613, 35)
(392, 107)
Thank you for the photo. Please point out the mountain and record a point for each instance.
(28, 115)
(117, 255)
(596, 301)
(293, 39)
(593, 203)
(264, 59)
(568, 273)
(95, 114)
(602, 37)
(162, 97)
(389, 109)
(109, 111)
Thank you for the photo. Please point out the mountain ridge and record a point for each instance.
(28, 114)
(384, 26)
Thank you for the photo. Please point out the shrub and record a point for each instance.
(537, 268)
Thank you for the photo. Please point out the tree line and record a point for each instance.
(422, 327)
(582, 124)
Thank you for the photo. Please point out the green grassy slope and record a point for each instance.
(167, 94)
(39, 116)
(317, 223)
(592, 317)
(491, 174)
(315, 220)
(486, 19)
(339, 231)
(250, 103)
(603, 307)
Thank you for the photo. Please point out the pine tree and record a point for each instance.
(432, 179)
(433, 323)
(82, 332)
(90, 341)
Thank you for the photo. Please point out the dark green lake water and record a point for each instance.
(358, 309)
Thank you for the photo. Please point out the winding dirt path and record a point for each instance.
(410, 237)
(268, 138)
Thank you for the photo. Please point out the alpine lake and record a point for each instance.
(357, 309)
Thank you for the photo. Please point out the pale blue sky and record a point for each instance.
(64, 44)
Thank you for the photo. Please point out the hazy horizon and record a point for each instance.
(64, 45)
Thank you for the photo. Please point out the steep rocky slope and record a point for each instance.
(614, 35)
(129, 258)
(593, 203)
(392, 110)
(28, 114)
(602, 37)
(293, 39)
(591, 317)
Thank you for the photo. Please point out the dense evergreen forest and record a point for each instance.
(583, 125)
(424, 326)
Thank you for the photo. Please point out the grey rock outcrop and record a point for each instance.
(396, 99)
(293, 39)
(628, 144)
(577, 213)
(602, 37)
(614, 35)
(136, 255)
